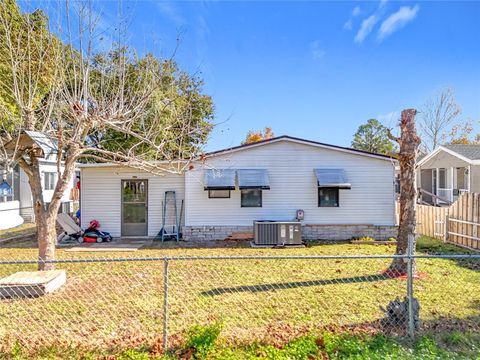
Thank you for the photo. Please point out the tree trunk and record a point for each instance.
(45, 223)
(46, 237)
(46, 218)
(409, 143)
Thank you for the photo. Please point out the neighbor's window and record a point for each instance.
(328, 197)
(49, 179)
(252, 198)
(218, 194)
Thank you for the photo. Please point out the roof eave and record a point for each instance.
(449, 151)
(300, 141)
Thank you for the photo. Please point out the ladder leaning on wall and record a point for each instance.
(170, 212)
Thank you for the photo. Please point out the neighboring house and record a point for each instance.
(17, 207)
(449, 171)
(343, 192)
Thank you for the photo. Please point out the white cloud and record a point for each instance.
(171, 12)
(348, 25)
(366, 28)
(316, 50)
(397, 20)
(356, 11)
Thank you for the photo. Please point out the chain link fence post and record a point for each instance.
(165, 304)
(410, 270)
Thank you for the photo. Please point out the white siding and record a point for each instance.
(293, 186)
(443, 159)
(47, 194)
(101, 196)
(26, 202)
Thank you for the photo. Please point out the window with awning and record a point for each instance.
(253, 179)
(219, 179)
(332, 178)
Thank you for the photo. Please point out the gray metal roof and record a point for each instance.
(469, 151)
(332, 178)
(219, 179)
(48, 145)
(253, 179)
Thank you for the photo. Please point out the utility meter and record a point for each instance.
(300, 215)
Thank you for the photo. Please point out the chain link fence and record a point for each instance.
(128, 302)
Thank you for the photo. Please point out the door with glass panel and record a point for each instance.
(134, 207)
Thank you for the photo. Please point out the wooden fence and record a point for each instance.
(431, 221)
(458, 224)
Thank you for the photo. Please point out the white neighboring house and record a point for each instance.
(449, 171)
(17, 207)
(343, 192)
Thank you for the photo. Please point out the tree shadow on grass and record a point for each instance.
(295, 284)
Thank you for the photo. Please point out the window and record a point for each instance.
(328, 197)
(219, 194)
(49, 180)
(251, 198)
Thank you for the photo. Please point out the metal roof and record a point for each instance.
(273, 140)
(332, 178)
(253, 179)
(48, 145)
(304, 141)
(219, 179)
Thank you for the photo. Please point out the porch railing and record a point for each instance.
(445, 194)
(425, 197)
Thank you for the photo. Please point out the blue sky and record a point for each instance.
(315, 70)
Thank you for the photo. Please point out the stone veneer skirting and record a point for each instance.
(309, 232)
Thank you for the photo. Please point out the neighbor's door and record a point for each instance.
(134, 207)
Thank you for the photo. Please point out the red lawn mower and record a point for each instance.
(92, 234)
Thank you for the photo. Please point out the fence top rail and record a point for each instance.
(463, 221)
(239, 257)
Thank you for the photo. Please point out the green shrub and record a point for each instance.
(202, 339)
(347, 346)
(132, 355)
(455, 338)
(17, 351)
(304, 347)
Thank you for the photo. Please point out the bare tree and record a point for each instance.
(60, 89)
(436, 115)
(409, 143)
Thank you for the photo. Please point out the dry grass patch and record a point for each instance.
(107, 305)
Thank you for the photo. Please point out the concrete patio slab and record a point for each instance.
(120, 246)
(31, 283)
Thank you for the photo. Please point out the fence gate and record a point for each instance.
(431, 221)
(439, 229)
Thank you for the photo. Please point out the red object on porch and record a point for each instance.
(89, 239)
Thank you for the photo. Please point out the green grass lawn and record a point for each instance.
(119, 305)
(24, 229)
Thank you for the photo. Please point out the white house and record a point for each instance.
(448, 171)
(17, 206)
(343, 192)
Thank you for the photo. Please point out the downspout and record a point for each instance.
(469, 177)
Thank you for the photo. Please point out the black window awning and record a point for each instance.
(219, 179)
(332, 178)
(253, 179)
